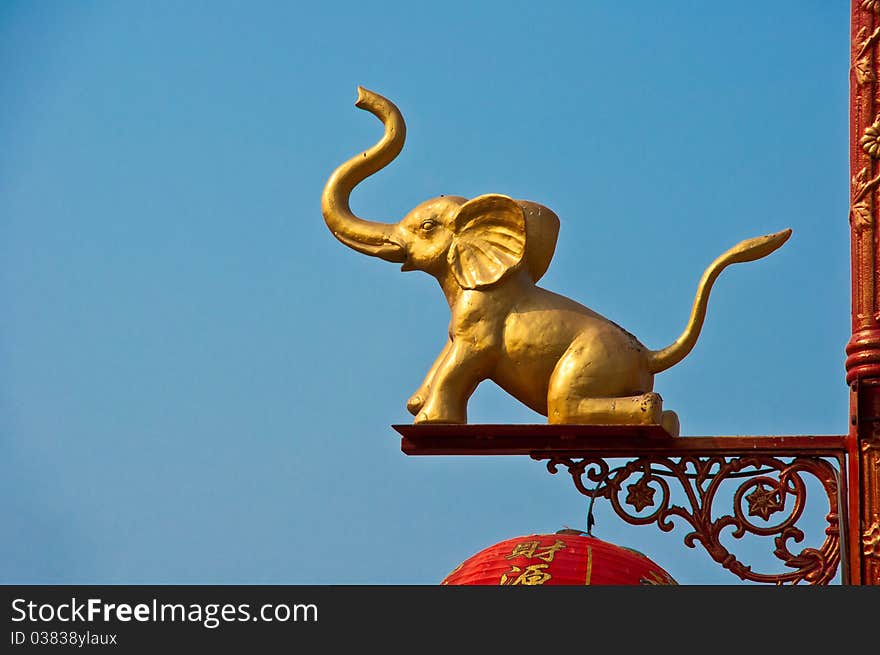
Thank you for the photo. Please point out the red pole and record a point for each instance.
(863, 350)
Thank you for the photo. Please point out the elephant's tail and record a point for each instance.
(745, 251)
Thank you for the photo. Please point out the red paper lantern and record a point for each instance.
(568, 557)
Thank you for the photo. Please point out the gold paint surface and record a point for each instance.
(589, 565)
(871, 541)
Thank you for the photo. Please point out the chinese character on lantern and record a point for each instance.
(530, 549)
(532, 575)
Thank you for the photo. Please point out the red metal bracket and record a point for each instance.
(769, 474)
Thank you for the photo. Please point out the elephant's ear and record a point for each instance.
(489, 242)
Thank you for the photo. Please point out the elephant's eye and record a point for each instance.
(428, 225)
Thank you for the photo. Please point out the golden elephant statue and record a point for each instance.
(555, 355)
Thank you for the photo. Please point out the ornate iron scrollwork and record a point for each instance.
(640, 494)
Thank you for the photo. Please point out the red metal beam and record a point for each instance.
(601, 440)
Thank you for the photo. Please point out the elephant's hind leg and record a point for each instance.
(604, 379)
(644, 409)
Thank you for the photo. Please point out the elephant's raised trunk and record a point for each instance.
(368, 237)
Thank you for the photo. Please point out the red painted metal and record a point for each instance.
(863, 350)
(764, 477)
(604, 440)
(769, 498)
(567, 557)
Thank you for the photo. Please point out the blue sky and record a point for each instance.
(199, 381)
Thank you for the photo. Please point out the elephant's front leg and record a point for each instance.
(466, 364)
(417, 400)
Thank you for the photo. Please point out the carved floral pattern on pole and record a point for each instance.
(863, 350)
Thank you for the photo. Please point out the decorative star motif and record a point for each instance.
(763, 502)
(640, 495)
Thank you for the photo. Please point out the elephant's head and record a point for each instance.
(478, 241)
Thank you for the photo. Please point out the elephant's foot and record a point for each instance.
(415, 403)
(436, 412)
(424, 419)
(644, 409)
